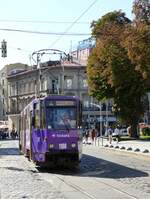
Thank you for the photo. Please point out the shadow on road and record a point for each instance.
(89, 166)
(9, 151)
(13, 169)
(95, 167)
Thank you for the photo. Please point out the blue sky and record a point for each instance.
(26, 15)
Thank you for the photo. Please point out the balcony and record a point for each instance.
(13, 112)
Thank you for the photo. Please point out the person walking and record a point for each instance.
(93, 135)
(117, 133)
(86, 136)
(110, 132)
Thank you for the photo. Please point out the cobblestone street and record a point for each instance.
(19, 178)
(102, 172)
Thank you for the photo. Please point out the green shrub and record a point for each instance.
(146, 131)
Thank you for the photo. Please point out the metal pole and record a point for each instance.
(63, 69)
(100, 121)
(100, 116)
(100, 107)
(39, 74)
(38, 81)
(106, 116)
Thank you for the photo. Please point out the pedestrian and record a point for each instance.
(129, 130)
(110, 132)
(117, 133)
(16, 134)
(93, 135)
(86, 136)
(12, 134)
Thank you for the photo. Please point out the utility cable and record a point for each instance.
(69, 27)
(36, 21)
(45, 33)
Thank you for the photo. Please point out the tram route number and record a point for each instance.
(63, 146)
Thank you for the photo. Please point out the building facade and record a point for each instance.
(67, 79)
(4, 72)
(20, 84)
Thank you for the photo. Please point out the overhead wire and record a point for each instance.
(45, 33)
(36, 21)
(69, 27)
(61, 34)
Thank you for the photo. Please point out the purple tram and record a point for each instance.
(51, 131)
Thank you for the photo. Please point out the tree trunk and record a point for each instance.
(134, 130)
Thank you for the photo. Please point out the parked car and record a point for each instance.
(123, 131)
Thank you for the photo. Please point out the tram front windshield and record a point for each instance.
(61, 117)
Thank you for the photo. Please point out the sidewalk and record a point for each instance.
(136, 146)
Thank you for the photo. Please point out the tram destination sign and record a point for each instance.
(60, 103)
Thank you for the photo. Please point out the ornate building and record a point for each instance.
(4, 72)
(63, 76)
(68, 78)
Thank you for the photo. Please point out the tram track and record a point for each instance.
(76, 188)
(100, 182)
(97, 178)
(65, 180)
(123, 192)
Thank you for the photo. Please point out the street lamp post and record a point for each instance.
(63, 78)
(106, 116)
(100, 115)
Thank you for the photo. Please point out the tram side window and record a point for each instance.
(37, 116)
(80, 115)
(24, 122)
(43, 119)
(24, 125)
(27, 121)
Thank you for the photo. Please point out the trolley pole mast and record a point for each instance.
(38, 80)
(62, 56)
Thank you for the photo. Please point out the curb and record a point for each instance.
(145, 152)
(128, 149)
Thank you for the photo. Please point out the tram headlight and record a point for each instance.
(51, 146)
(73, 145)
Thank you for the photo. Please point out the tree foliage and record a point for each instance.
(141, 10)
(137, 43)
(118, 67)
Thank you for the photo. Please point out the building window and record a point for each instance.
(12, 90)
(84, 83)
(42, 84)
(3, 82)
(69, 83)
(25, 88)
(54, 85)
(32, 86)
(28, 87)
(86, 104)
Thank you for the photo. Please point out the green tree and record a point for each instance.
(137, 43)
(111, 71)
(141, 9)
